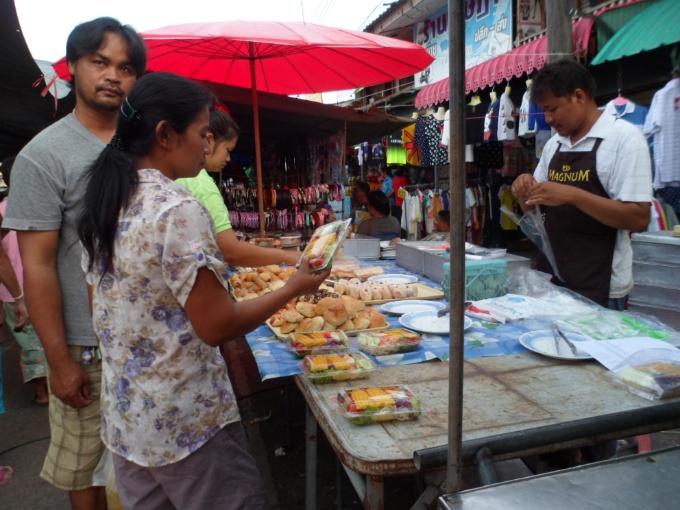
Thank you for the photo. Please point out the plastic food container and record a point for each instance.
(324, 244)
(321, 342)
(326, 368)
(363, 406)
(389, 341)
(265, 242)
(651, 373)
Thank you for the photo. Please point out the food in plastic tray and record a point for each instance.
(326, 368)
(389, 341)
(651, 373)
(321, 342)
(375, 404)
(324, 244)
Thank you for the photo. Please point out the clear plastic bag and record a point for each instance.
(650, 373)
(531, 223)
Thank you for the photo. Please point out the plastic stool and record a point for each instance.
(644, 443)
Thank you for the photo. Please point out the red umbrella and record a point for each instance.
(282, 58)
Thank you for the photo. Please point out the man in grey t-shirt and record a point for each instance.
(105, 59)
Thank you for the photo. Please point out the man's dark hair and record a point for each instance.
(378, 201)
(444, 216)
(364, 187)
(562, 78)
(86, 38)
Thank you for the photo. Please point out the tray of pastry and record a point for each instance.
(328, 314)
(378, 293)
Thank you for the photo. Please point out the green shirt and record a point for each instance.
(204, 189)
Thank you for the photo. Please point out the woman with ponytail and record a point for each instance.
(161, 306)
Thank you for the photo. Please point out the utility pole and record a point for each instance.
(558, 27)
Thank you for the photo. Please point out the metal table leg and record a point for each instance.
(310, 460)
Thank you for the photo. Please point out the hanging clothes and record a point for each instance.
(428, 136)
(474, 122)
(491, 122)
(663, 121)
(408, 140)
(506, 119)
(634, 113)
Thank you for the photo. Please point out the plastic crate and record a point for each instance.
(483, 279)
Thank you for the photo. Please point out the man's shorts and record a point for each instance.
(76, 445)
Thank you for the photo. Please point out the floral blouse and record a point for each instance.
(165, 392)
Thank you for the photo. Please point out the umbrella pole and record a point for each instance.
(258, 154)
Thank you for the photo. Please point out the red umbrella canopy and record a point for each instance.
(290, 58)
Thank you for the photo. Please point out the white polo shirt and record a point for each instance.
(625, 171)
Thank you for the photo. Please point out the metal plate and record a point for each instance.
(543, 342)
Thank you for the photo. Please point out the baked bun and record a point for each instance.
(292, 316)
(323, 304)
(327, 326)
(275, 269)
(336, 313)
(277, 319)
(355, 281)
(348, 325)
(361, 323)
(309, 325)
(353, 305)
(354, 291)
(305, 308)
(365, 293)
(386, 293)
(377, 320)
(376, 292)
(340, 286)
(288, 327)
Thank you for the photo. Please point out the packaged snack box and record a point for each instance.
(324, 244)
(326, 368)
(321, 342)
(389, 341)
(363, 406)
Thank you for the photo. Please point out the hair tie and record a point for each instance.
(117, 143)
(222, 108)
(129, 114)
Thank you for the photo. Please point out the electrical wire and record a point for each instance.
(23, 444)
(363, 23)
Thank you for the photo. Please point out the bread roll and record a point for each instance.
(292, 316)
(353, 305)
(355, 281)
(399, 291)
(355, 291)
(386, 293)
(305, 308)
(348, 325)
(341, 286)
(275, 269)
(376, 292)
(361, 323)
(266, 276)
(411, 291)
(309, 325)
(365, 293)
(276, 285)
(336, 313)
(327, 326)
(323, 305)
(377, 320)
(288, 327)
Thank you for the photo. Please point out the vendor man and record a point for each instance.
(593, 184)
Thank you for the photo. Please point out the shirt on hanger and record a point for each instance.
(663, 121)
(630, 111)
(506, 121)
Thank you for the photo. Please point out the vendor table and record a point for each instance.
(515, 405)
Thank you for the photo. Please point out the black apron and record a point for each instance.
(583, 247)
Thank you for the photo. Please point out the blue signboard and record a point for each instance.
(488, 33)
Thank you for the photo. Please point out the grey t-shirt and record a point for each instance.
(46, 194)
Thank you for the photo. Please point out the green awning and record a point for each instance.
(656, 26)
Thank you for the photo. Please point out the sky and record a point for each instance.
(47, 23)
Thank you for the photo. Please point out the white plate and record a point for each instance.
(543, 342)
(394, 278)
(411, 306)
(428, 322)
